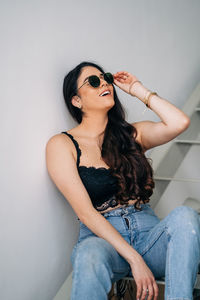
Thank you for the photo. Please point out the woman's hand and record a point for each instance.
(144, 280)
(124, 80)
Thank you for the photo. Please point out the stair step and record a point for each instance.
(163, 178)
(169, 157)
(193, 142)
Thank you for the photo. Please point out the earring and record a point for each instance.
(79, 106)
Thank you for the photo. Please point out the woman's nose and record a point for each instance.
(103, 82)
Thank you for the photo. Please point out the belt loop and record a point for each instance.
(123, 212)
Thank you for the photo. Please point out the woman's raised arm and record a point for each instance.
(152, 134)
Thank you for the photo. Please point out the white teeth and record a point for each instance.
(105, 93)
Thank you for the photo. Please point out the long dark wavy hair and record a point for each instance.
(120, 151)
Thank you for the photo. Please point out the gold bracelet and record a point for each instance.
(132, 85)
(146, 99)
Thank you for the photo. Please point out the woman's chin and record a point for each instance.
(109, 102)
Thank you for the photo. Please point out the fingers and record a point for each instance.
(144, 292)
(124, 77)
(156, 290)
(121, 75)
(120, 78)
(139, 290)
(151, 290)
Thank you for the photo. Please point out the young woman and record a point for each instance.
(101, 169)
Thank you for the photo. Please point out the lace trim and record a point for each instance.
(112, 202)
(93, 169)
(79, 154)
(76, 146)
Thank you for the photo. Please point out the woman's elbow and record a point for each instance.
(184, 123)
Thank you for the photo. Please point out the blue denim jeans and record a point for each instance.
(170, 248)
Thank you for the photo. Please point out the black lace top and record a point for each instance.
(99, 183)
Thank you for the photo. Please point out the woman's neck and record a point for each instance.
(93, 127)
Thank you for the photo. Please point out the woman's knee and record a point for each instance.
(184, 217)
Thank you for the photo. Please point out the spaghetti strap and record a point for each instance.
(78, 150)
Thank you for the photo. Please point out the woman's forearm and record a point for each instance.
(169, 114)
(102, 228)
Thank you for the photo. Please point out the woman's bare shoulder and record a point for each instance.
(59, 138)
(60, 141)
(62, 136)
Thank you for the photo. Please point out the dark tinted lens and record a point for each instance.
(94, 81)
(108, 77)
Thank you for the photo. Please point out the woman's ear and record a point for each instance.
(76, 101)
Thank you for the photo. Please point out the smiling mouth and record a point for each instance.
(106, 93)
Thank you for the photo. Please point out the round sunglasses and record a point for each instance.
(94, 80)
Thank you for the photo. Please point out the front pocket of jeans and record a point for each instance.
(146, 221)
(119, 223)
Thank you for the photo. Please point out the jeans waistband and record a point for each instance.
(122, 210)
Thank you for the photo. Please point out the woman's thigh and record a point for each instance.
(147, 234)
(153, 249)
(95, 250)
(135, 232)
(153, 242)
(90, 245)
(149, 238)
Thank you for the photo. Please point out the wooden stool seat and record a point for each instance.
(125, 289)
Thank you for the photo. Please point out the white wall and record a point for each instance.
(41, 41)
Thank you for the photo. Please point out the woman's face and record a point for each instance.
(91, 98)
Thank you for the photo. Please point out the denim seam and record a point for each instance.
(153, 241)
(168, 285)
(120, 271)
(75, 279)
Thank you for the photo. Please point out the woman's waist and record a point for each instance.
(112, 203)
